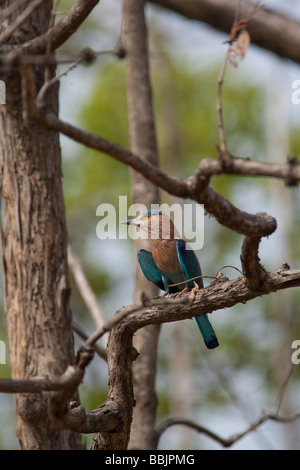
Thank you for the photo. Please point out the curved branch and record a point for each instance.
(289, 173)
(221, 293)
(86, 290)
(116, 412)
(164, 426)
(225, 212)
(252, 269)
(268, 29)
(230, 216)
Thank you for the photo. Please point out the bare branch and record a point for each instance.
(284, 387)
(164, 426)
(220, 294)
(252, 269)
(289, 173)
(86, 291)
(224, 155)
(265, 416)
(82, 334)
(225, 212)
(265, 28)
(32, 385)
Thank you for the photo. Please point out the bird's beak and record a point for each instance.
(131, 222)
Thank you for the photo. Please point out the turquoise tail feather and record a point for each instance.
(207, 331)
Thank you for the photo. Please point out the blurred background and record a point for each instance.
(227, 388)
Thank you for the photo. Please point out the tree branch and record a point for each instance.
(252, 269)
(60, 32)
(163, 427)
(86, 290)
(221, 293)
(265, 416)
(289, 173)
(225, 212)
(195, 187)
(268, 29)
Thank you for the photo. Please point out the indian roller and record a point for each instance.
(170, 262)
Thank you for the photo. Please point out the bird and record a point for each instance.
(171, 261)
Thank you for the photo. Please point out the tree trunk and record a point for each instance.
(34, 244)
(143, 143)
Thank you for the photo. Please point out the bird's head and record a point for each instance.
(155, 223)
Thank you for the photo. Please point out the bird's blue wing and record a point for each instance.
(189, 263)
(149, 268)
(191, 268)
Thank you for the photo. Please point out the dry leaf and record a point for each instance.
(238, 50)
(235, 31)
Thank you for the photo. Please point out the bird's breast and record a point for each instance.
(165, 256)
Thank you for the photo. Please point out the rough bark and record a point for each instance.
(34, 244)
(143, 143)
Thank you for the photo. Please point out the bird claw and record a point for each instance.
(179, 294)
(183, 291)
(193, 293)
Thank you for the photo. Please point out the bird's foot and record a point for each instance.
(179, 294)
(193, 293)
(165, 294)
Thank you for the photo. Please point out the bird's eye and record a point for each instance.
(149, 214)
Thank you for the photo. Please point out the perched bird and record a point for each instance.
(170, 262)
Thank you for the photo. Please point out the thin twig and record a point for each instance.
(222, 139)
(228, 266)
(86, 291)
(205, 277)
(87, 56)
(48, 83)
(225, 442)
(192, 279)
(118, 316)
(98, 350)
(284, 387)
